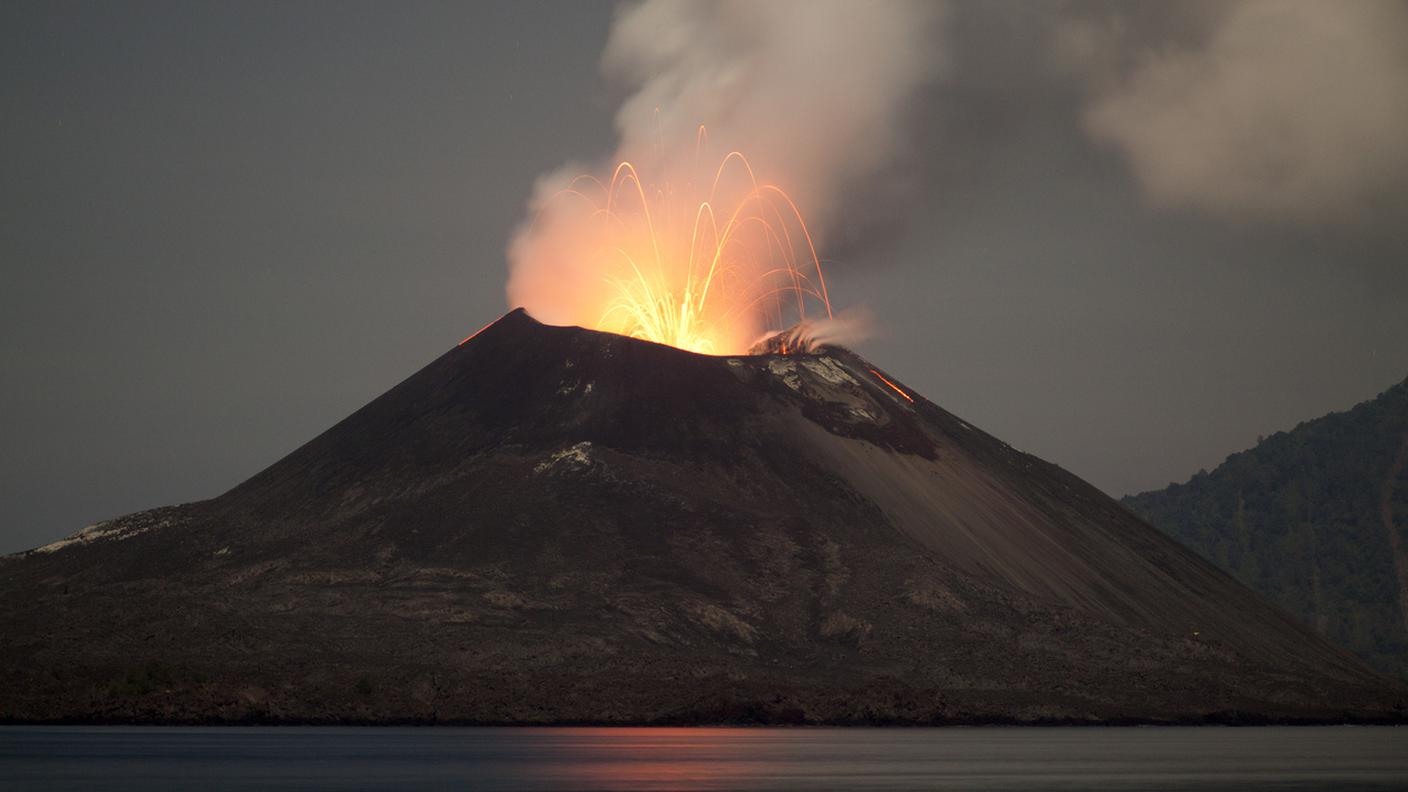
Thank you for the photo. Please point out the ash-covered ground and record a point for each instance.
(555, 525)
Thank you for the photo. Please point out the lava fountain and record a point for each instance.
(709, 263)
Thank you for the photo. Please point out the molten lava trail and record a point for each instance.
(893, 386)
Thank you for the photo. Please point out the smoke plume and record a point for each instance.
(814, 93)
(1279, 109)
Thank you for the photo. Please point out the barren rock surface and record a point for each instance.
(554, 525)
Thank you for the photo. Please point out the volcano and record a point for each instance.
(557, 525)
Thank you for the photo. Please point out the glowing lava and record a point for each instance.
(893, 386)
(705, 264)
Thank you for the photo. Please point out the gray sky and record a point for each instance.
(224, 227)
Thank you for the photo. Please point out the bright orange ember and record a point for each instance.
(704, 264)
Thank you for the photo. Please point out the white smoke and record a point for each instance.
(847, 327)
(813, 92)
(1280, 109)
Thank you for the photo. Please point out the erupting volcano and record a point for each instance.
(707, 263)
(559, 525)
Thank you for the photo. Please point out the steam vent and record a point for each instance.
(556, 525)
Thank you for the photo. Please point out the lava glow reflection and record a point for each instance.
(707, 263)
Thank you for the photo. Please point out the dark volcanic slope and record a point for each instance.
(552, 524)
(1316, 519)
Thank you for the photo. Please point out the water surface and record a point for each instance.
(239, 758)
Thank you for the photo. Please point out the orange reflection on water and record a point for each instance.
(662, 758)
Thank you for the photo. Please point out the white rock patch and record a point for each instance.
(786, 370)
(829, 370)
(93, 533)
(861, 413)
(577, 456)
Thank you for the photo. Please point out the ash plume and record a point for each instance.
(1291, 110)
(814, 93)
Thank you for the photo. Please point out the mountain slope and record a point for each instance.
(1316, 519)
(557, 525)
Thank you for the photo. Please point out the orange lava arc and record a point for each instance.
(708, 265)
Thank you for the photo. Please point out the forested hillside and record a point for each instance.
(1316, 519)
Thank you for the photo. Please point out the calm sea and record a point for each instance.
(211, 759)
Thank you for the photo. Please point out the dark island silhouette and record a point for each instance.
(552, 525)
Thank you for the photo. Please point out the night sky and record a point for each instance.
(224, 227)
